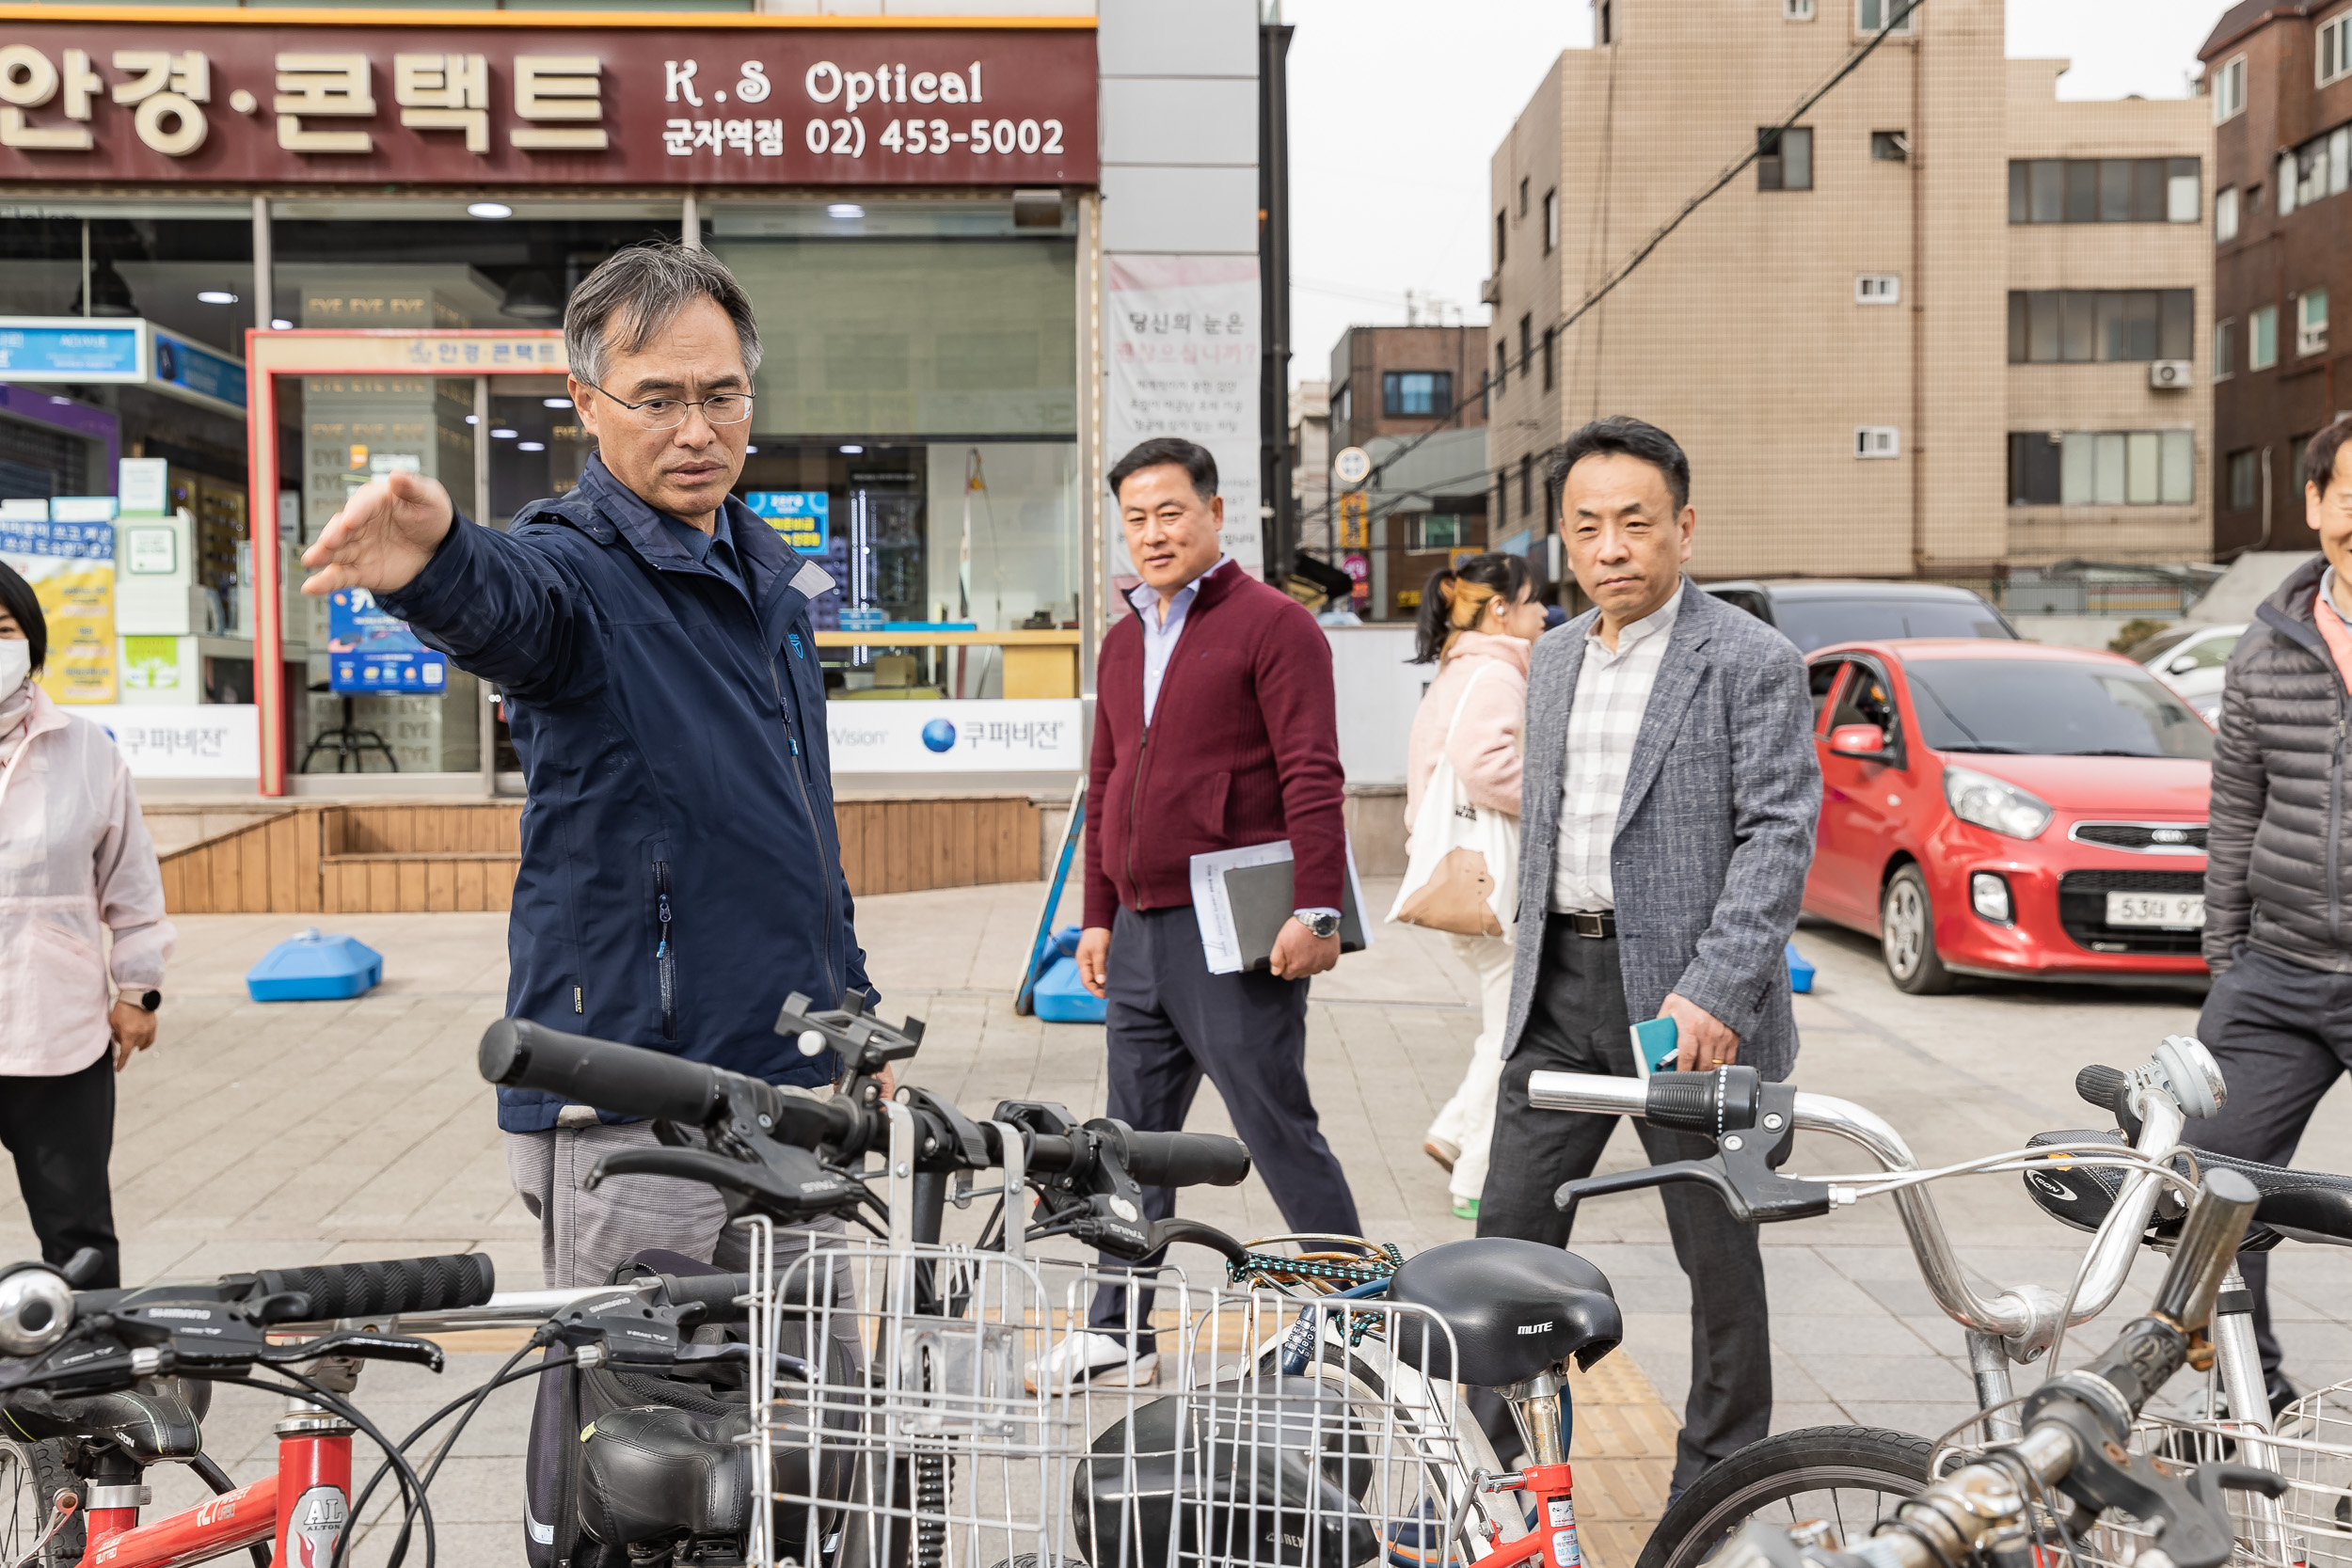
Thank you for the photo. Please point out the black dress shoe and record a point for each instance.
(2283, 1393)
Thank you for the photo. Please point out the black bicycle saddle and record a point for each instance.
(1517, 1309)
(158, 1421)
(2304, 1205)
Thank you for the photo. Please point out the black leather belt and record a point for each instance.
(1590, 926)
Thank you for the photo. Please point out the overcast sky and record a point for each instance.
(1396, 105)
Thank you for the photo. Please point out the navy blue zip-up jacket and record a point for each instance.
(681, 871)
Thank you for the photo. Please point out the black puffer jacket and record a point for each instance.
(2276, 872)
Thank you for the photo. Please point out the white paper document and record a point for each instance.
(1213, 906)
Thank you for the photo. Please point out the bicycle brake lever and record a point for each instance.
(788, 1183)
(354, 1342)
(1757, 1196)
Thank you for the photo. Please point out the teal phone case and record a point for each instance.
(1655, 1044)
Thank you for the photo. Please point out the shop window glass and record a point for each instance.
(2087, 326)
(2245, 481)
(2262, 339)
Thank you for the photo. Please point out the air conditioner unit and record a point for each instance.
(1876, 440)
(2171, 376)
(1490, 289)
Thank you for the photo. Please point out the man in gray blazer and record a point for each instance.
(1670, 797)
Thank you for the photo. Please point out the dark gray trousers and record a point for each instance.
(2283, 1035)
(1579, 1024)
(1172, 1022)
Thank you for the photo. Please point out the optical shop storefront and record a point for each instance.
(247, 263)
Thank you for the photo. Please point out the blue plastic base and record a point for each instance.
(1061, 997)
(315, 968)
(1800, 971)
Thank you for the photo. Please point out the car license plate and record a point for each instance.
(2171, 912)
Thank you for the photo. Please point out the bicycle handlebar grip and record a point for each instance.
(383, 1290)
(1186, 1159)
(715, 1293)
(627, 1079)
(2108, 1088)
(1685, 1100)
(2210, 1235)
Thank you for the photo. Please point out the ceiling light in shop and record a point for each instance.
(474, 419)
(533, 296)
(279, 324)
(851, 452)
(845, 209)
(215, 296)
(488, 210)
(503, 434)
(751, 450)
(555, 403)
(531, 446)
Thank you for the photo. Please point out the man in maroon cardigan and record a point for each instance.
(1214, 729)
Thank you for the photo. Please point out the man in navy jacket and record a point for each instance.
(681, 873)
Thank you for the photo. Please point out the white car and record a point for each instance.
(2193, 661)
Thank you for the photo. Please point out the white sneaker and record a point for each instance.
(1087, 1357)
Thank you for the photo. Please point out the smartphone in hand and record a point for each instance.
(1655, 1044)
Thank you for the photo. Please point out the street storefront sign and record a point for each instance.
(210, 740)
(801, 518)
(1016, 735)
(493, 99)
(86, 350)
(1183, 341)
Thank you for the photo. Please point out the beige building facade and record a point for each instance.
(1831, 337)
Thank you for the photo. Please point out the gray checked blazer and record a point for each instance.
(1716, 831)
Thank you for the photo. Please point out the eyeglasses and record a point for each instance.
(670, 413)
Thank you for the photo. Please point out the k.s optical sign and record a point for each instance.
(499, 102)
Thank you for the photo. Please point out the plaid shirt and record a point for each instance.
(1611, 695)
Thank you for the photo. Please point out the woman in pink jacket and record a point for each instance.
(75, 863)
(1479, 616)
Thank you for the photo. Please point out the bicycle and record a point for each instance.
(949, 1328)
(2027, 1499)
(2102, 1181)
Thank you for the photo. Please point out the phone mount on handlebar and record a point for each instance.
(1753, 1125)
(865, 1042)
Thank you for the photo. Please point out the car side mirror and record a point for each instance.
(2182, 664)
(1862, 742)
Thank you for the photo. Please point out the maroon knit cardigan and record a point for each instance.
(1243, 749)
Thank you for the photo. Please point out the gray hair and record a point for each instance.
(626, 303)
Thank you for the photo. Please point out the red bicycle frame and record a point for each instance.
(302, 1509)
(1553, 1543)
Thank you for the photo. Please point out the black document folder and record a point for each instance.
(1262, 899)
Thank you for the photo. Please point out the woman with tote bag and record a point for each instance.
(1478, 621)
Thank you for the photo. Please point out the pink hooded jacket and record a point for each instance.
(75, 861)
(1485, 749)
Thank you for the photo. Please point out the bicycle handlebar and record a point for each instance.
(1184, 1159)
(389, 1289)
(627, 1080)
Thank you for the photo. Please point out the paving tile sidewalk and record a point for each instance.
(259, 1136)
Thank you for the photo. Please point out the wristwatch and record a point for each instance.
(1319, 922)
(150, 999)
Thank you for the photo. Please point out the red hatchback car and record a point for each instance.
(2009, 809)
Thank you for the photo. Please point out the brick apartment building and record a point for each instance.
(1414, 398)
(2280, 86)
(1944, 325)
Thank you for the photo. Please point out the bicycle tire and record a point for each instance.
(31, 1475)
(1840, 1465)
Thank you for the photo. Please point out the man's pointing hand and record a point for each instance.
(382, 538)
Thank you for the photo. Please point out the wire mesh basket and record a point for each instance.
(923, 1406)
(2308, 1527)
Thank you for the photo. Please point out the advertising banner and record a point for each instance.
(1040, 735)
(72, 568)
(369, 651)
(210, 740)
(1183, 360)
(802, 519)
(489, 99)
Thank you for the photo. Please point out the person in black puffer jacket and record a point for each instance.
(2279, 866)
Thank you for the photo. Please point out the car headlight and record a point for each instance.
(1995, 803)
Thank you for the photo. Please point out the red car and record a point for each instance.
(2009, 809)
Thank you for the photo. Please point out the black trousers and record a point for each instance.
(1171, 1023)
(2283, 1035)
(1579, 1024)
(61, 1132)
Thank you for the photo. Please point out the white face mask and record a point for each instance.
(16, 662)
